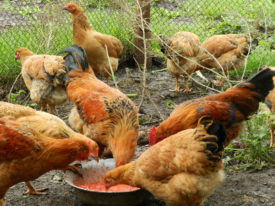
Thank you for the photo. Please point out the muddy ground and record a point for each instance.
(240, 188)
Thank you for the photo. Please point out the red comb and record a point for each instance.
(152, 136)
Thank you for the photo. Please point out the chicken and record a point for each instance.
(267, 108)
(270, 102)
(229, 50)
(182, 50)
(26, 154)
(102, 113)
(181, 170)
(103, 50)
(44, 123)
(43, 76)
(231, 108)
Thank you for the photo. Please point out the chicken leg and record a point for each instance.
(177, 89)
(43, 107)
(107, 81)
(272, 135)
(186, 90)
(51, 108)
(220, 82)
(2, 202)
(32, 191)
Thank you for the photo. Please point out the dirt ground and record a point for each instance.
(239, 189)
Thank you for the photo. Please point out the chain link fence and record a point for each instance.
(44, 27)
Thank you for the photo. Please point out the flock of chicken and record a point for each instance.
(182, 169)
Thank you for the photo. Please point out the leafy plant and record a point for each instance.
(256, 153)
(13, 97)
(170, 104)
(224, 27)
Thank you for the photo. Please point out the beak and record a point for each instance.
(64, 8)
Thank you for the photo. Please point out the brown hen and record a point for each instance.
(225, 52)
(103, 50)
(26, 154)
(101, 112)
(44, 123)
(44, 78)
(181, 170)
(182, 50)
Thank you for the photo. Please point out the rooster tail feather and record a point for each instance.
(76, 58)
(214, 128)
(263, 81)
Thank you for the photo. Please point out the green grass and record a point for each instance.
(257, 153)
(202, 17)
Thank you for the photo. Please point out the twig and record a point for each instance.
(154, 105)
(111, 68)
(144, 53)
(17, 77)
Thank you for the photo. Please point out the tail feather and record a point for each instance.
(214, 145)
(263, 81)
(76, 58)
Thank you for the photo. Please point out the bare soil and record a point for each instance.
(240, 188)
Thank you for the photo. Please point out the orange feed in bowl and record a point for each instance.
(100, 186)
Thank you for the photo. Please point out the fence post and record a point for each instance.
(139, 42)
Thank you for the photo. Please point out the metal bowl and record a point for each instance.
(94, 172)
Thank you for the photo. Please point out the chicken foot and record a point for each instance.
(74, 169)
(32, 191)
(177, 88)
(220, 82)
(187, 90)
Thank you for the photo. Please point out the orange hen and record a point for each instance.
(231, 108)
(182, 50)
(103, 50)
(22, 148)
(44, 123)
(182, 169)
(225, 52)
(44, 77)
(102, 113)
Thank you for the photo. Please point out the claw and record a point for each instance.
(32, 191)
(74, 169)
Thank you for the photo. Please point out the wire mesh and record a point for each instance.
(44, 27)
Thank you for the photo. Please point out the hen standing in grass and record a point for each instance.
(26, 154)
(102, 50)
(182, 50)
(231, 108)
(225, 52)
(46, 124)
(43, 76)
(101, 112)
(181, 170)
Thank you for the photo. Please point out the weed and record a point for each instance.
(15, 98)
(170, 104)
(256, 154)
